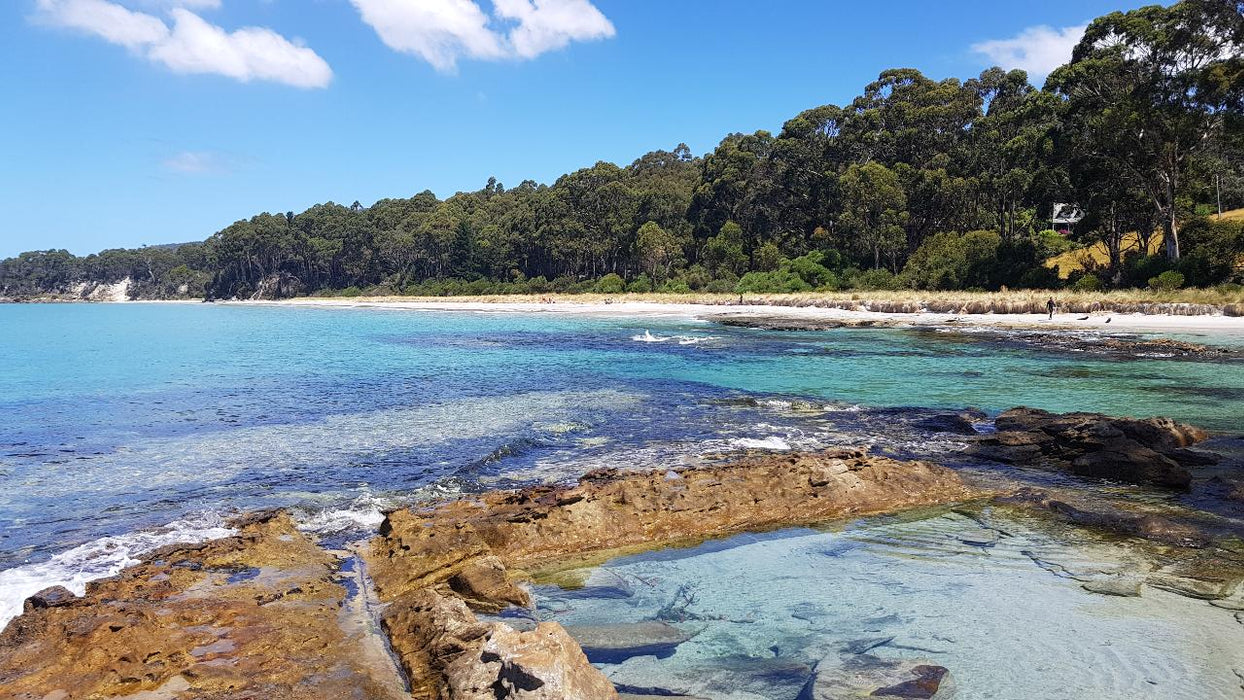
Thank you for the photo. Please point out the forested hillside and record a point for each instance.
(916, 183)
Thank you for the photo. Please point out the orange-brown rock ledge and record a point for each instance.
(430, 564)
(265, 614)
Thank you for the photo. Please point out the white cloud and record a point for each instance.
(169, 4)
(443, 31)
(439, 31)
(547, 25)
(108, 20)
(196, 163)
(1038, 50)
(250, 53)
(192, 45)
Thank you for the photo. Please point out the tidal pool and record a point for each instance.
(1002, 607)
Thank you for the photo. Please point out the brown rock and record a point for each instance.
(611, 510)
(542, 664)
(1123, 586)
(614, 643)
(927, 681)
(53, 597)
(255, 615)
(425, 563)
(1150, 451)
(865, 675)
(483, 584)
(1112, 517)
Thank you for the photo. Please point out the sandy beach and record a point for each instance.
(1104, 321)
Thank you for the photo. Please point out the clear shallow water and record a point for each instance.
(118, 418)
(764, 610)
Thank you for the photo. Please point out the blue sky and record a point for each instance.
(131, 122)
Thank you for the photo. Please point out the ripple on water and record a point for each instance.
(1008, 618)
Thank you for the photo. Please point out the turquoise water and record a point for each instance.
(762, 612)
(122, 418)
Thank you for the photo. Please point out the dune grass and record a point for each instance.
(1179, 302)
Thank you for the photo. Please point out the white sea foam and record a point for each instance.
(101, 558)
(648, 337)
(773, 442)
(695, 339)
(364, 513)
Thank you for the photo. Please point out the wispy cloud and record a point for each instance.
(192, 44)
(1038, 50)
(198, 163)
(443, 31)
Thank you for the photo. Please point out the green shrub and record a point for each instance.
(610, 284)
(675, 287)
(1051, 243)
(697, 277)
(1088, 283)
(724, 284)
(878, 279)
(1167, 281)
(351, 292)
(811, 269)
(1211, 250)
(776, 282)
(1229, 288)
(640, 285)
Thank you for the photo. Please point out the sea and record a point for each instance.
(124, 427)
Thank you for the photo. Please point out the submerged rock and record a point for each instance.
(787, 323)
(614, 643)
(954, 423)
(838, 678)
(1151, 451)
(1124, 586)
(1113, 517)
(747, 676)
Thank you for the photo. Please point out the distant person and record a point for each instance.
(1049, 306)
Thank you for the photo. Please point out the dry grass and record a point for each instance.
(1182, 302)
(1097, 255)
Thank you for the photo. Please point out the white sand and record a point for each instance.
(1159, 323)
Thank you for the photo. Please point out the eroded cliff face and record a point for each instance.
(261, 614)
(430, 565)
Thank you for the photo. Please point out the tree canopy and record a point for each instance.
(916, 182)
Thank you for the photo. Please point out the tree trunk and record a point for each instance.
(1170, 230)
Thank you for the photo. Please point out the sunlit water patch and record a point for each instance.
(998, 608)
(123, 418)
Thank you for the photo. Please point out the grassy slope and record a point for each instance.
(1074, 260)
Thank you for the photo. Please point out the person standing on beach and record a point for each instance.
(1049, 305)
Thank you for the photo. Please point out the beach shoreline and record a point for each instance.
(715, 312)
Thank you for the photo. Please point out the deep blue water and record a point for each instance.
(122, 417)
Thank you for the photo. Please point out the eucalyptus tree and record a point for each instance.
(1151, 90)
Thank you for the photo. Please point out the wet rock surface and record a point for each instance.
(786, 323)
(612, 510)
(432, 565)
(1151, 451)
(614, 643)
(865, 675)
(185, 624)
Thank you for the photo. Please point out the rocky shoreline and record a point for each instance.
(413, 612)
